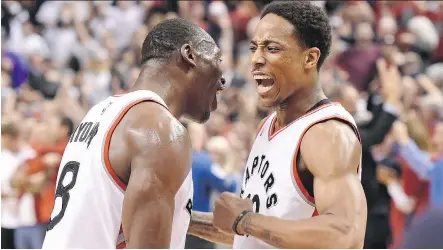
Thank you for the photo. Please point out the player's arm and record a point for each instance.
(339, 196)
(201, 226)
(160, 162)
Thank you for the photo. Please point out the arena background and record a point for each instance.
(60, 58)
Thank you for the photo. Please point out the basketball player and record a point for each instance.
(302, 178)
(125, 177)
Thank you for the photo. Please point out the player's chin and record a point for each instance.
(269, 98)
(268, 101)
(199, 117)
(205, 117)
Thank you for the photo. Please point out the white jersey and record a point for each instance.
(89, 197)
(271, 180)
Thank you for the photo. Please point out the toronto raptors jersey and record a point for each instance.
(89, 196)
(271, 180)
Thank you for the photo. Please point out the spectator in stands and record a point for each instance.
(414, 187)
(208, 175)
(427, 166)
(14, 153)
(359, 59)
(38, 175)
(30, 233)
(373, 133)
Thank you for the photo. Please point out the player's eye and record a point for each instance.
(252, 48)
(273, 49)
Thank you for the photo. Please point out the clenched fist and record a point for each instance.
(226, 210)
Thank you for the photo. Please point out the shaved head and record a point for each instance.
(169, 36)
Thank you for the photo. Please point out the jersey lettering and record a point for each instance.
(259, 169)
(189, 206)
(105, 108)
(85, 132)
(255, 202)
(63, 191)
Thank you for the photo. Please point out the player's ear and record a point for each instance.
(311, 58)
(187, 54)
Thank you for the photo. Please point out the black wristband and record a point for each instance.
(234, 226)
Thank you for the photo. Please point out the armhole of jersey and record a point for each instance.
(310, 199)
(121, 245)
(110, 132)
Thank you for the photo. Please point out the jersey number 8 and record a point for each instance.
(63, 191)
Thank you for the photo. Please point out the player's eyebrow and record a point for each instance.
(265, 41)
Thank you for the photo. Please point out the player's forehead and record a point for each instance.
(273, 28)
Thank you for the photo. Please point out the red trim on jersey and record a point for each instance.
(315, 213)
(294, 160)
(272, 134)
(121, 245)
(109, 136)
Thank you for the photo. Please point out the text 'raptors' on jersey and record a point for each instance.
(259, 169)
(89, 196)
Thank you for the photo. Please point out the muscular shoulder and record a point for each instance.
(331, 148)
(151, 124)
(158, 141)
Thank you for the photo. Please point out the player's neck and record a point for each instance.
(161, 80)
(297, 105)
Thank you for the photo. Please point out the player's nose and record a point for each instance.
(222, 83)
(257, 58)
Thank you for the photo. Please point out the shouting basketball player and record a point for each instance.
(127, 167)
(302, 179)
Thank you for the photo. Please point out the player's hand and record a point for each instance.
(226, 210)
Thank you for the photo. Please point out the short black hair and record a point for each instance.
(167, 37)
(311, 25)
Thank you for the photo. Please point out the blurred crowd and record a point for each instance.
(386, 68)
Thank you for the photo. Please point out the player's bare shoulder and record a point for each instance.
(155, 136)
(153, 124)
(332, 140)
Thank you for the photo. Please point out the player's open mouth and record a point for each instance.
(264, 83)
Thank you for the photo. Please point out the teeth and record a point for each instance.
(263, 89)
(261, 77)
